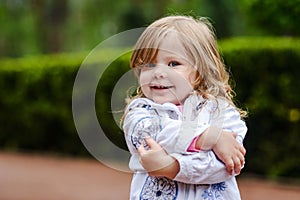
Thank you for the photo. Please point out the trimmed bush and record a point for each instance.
(36, 96)
(36, 102)
(266, 72)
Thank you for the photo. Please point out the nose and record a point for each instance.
(160, 71)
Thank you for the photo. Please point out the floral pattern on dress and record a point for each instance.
(159, 188)
(146, 127)
(214, 191)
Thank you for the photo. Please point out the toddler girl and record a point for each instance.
(179, 127)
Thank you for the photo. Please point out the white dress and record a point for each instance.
(201, 175)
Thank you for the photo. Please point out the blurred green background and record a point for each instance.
(30, 27)
(44, 42)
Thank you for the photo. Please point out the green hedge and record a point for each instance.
(266, 72)
(36, 102)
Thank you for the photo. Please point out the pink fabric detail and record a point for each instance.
(180, 107)
(192, 147)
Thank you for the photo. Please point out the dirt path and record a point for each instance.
(38, 177)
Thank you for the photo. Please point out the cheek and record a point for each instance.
(189, 76)
(143, 79)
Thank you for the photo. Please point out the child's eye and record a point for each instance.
(173, 64)
(148, 65)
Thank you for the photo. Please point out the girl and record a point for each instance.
(178, 126)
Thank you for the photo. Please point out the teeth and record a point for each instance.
(162, 87)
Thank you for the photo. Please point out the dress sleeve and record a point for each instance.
(228, 119)
(195, 167)
(204, 167)
(137, 125)
(200, 168)
(143, 121)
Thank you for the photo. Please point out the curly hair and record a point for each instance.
(198, 38)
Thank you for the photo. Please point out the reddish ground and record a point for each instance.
(38, 177)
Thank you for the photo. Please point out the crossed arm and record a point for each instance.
(204, 166)
(157, 162)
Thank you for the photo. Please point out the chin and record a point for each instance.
(161, 101)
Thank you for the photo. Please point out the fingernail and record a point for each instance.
(146, 136)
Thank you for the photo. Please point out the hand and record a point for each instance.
(156, 161)
(230, 152)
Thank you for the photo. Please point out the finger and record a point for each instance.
(242, 150)
(141, 149)
(153, 145)
(241, 158)
(237, 171)
(229, 166)
(237, 166)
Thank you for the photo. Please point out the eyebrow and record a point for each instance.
(173, 58)
(178, 58)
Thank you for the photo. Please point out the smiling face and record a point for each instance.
(169, 77)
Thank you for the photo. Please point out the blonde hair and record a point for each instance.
(199, 41)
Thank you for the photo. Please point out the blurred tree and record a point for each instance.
(16, 29)
(140, 13)
(47, 26)
(224, 14)
(50, 17)
(133, 16)
(273, 17)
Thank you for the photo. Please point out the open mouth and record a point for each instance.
(160, 87)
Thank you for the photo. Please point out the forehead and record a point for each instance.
(164, 39)
(172, 44)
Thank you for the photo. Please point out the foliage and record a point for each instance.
(36, 103)
(36, 112)
(52, 26)
(273, 17)
(266, 72)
